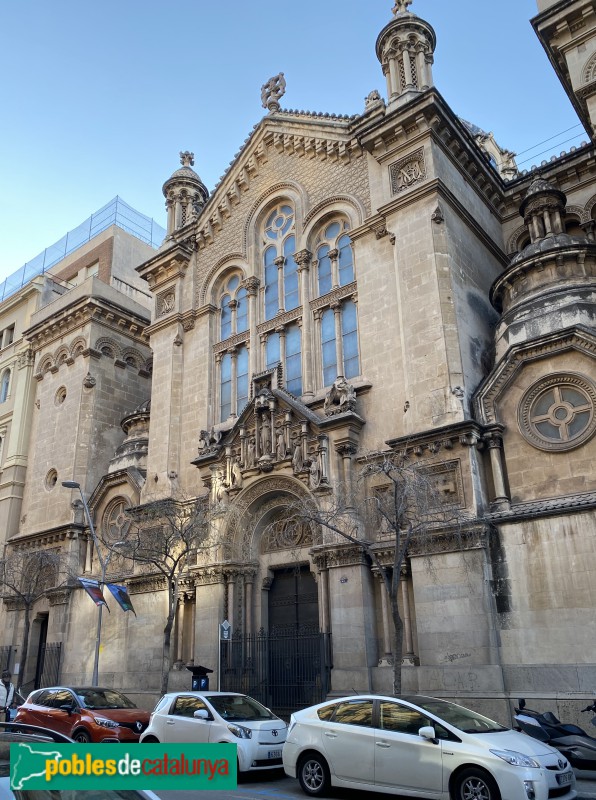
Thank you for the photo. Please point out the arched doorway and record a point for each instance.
(295, 650)
(283, 660)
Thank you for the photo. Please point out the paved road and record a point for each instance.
(277, 786)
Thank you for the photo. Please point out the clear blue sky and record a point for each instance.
(99, 98)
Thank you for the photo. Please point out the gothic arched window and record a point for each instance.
(280, 276)
(233, 306)
(335, 263)
(336, 319)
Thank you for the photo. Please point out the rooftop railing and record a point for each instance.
(116, 212)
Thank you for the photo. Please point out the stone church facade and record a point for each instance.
(387, 282)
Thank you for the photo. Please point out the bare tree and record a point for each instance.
(26, 577)
(164, 536)
(393, 504)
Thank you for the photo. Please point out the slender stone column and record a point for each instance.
(303, 259)
(232, 577)
(180, 629)
(495, 444)
(387, 658)
(324, 614)
(338, 342)
(249, 578)
(234, 393)
(252, 289)
(279, 263)
(408, 656)
(408, 69)
(193, 616)
(393, 83)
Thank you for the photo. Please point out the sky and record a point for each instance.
(98, 99)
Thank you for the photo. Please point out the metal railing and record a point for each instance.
(283, 670)
(116, 212)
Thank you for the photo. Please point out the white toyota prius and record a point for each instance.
(421, 747)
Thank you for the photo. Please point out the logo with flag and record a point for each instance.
(121, 596)
(94, 591)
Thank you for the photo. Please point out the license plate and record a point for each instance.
(564, 777)
(274, 754)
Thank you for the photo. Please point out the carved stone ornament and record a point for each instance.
(89, 381)
(407, 172)
(340, 398)
(372, 100)
(165, 302)
(401, 7)
(273, 91)
(209, 441)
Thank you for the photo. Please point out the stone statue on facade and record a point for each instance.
(340, 398)
(314, 469)
(237, 480)
(250, 453)
(401, 7)
(280, 446)
(297, 460)
(265, 437)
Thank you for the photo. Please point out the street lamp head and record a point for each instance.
(71, 485)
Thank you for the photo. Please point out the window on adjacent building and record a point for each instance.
(7, 336)
(4, 385)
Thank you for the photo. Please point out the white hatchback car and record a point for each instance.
(220, 717)
(422, 747)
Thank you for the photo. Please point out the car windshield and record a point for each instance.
(239, 707)
(94, 698)
(457, 716)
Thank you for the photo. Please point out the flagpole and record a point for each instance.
(104, 565)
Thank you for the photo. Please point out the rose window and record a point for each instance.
(558, 413)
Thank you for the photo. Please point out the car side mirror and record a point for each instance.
(201, 713)
(68, 708)
(428, 733)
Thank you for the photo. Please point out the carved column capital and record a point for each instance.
(303, 258)
(252, 286)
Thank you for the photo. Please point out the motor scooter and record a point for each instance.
(578, 747)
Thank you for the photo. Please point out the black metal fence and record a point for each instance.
(48, 668)
(284, 670)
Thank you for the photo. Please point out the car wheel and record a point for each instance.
(82, 737)
(313, 774)
(476, 784)
(150, 740)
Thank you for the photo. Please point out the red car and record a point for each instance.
(85, 713)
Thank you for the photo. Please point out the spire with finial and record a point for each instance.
(405, 49)
(185, 194)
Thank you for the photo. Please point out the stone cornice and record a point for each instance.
(148, 583)
(406, 128)
(167, 265)
(87, 310)
(485, 400)
(549, 507)
(339, 555)
(285, 318)
(41, 539)
(185, 319)
(467, 434)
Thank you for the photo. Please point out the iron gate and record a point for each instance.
(285, 670)
(48, 667)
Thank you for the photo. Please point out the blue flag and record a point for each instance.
(121, 595)
(94, 591)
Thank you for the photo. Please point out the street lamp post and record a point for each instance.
(104, 566)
